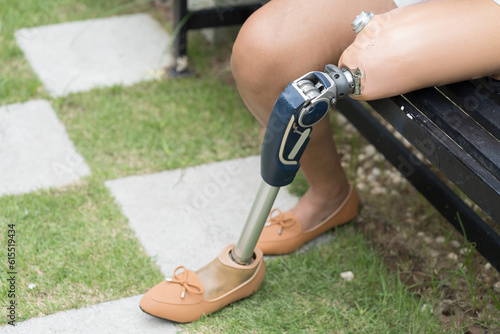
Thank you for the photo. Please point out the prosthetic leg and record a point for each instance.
(302, 104)
(239, 269)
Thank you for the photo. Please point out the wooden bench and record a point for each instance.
(457, 128)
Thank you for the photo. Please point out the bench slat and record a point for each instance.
(439, 195)
(480, 99)
(220, 16)
(456, 124)
(458, 166)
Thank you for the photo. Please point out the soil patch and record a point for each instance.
(429, 255)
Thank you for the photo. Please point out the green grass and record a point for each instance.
(159, 125)
(303, 293)
(75, 245)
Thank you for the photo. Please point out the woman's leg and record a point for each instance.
(428, 44)
(282, 41)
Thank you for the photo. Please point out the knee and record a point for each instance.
(257, 58)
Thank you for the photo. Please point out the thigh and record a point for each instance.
(432, 43)
(304, 35)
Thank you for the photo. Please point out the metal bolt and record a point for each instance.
(361, 21)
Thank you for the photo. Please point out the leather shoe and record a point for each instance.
(283, 233)
(188, 295)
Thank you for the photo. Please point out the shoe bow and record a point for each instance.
(184, 281)
(280, 220)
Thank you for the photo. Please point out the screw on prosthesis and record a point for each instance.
(348, 82)
(361, 21)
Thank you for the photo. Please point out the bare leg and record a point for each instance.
(428, 44)
(278, 44)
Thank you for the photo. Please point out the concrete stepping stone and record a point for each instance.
(181, 217)
(35, 150)
(120, 316)
(187, 216)
(78, 56)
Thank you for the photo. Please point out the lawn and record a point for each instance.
(75, 244)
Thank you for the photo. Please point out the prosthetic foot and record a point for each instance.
(188, 295)
(239, 270)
